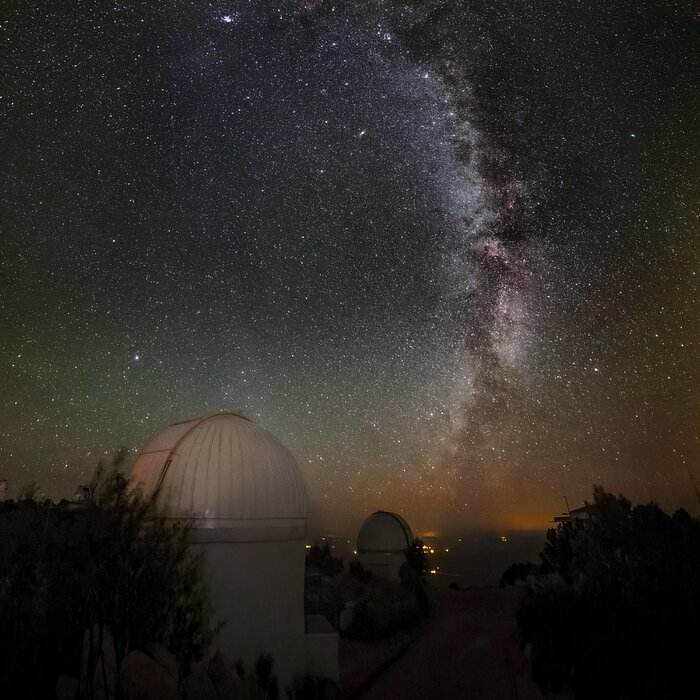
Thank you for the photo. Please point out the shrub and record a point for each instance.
(388, 606)
(321, 560)
(518, 572)
(108, 561)
(614, 610)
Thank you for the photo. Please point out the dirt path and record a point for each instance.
(468, 649)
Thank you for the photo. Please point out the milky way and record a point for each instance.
(447, 251)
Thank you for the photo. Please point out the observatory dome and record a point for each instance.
(231, 477)
(384, 532)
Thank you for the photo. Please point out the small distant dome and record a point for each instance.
(235, 480)
(384, 532)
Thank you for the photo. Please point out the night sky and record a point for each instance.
(447, 251)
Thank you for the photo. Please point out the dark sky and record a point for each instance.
(447, 251)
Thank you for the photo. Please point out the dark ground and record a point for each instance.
(467, 648)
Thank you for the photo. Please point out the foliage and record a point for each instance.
(412, 575)
(417, 559)
(614, 611)
(321, 594)
(386, 606)
(108, 561)
(518, 572)
(308, 687)
(28, 491)
(321, 560)
(266, 681)
(358, 572)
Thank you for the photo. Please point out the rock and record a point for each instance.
(66, 688)
(159, 653)
(143, 678)
(225, 678)
(197, 686)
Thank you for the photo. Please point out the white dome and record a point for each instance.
(385, 533)
(233, 478)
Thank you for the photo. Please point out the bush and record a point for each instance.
(109, 561)
(320, 559)
(388, 606)
(518, 572)
(614, 611)
(267, 683)
(308, 687)
(359, 573)
(417, 559)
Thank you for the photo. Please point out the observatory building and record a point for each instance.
(244, 495)
(382, 543)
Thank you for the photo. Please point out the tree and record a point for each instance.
(417, 559)
(110, 561)
(613, 610)
(320, 559)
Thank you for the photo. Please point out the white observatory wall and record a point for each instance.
(257, 588)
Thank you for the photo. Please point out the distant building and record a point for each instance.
(581, 513)
(244, 495)
(382, 543)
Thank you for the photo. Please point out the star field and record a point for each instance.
(447, 252)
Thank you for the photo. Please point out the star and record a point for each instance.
(421, 307)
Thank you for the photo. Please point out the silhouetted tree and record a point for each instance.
(613, 611)
(108, 561)
(413, 573)
(387, 606)
(417, 559)
(321, 559)
(266, 680)
(518, 572)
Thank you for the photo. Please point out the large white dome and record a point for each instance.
(231, 477)
(384, 533)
